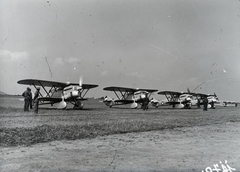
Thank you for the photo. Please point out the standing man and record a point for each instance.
(145, 101)
(27, 96)
(198, 103)
(30, 100)
(35, 99)
(205, 103)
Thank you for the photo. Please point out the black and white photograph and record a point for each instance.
(120, 85)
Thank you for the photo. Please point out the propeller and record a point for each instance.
(80, 81)
(188, 90)
(216, 97)
(80, 85)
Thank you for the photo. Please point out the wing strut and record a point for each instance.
(84, 92)
(123, 95)
(44, 89)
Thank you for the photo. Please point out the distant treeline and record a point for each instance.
(7, 95)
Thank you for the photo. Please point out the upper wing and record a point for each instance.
(121, 89)
(43, 83)
(85, 86)
(171, 93)
(201, 95)
(126, 89)
(148, 90)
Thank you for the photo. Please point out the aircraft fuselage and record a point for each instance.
(71, 91)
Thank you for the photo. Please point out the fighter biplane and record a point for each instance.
(133, 96)
(60, 92)
(178, 99)
(155, 103)
(226, 103)
(212, 99)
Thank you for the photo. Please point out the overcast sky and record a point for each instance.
(159, 44)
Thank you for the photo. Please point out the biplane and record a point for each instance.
(226, 103)
(212, 99)
(177, 99)
(155, 103)
(132, 96)
(60, 93)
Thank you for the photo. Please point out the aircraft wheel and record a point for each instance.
(111, 104)
(188, 106)
(78, 105)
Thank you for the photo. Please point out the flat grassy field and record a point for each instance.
(26, 128)
(99, 138)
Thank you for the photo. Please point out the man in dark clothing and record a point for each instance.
(198, 103)
(35, 99)
(30, 100)
(205, 103)
(145, 101)
(27, 96)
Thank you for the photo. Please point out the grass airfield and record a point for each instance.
(26, 128)
(23, 130)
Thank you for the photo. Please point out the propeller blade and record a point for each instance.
(188, 90)
(80, 81)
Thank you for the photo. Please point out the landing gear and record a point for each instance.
(78, 105)
(212, 105)
(111, 104)
(188, 106)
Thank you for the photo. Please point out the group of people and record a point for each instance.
(29, 101)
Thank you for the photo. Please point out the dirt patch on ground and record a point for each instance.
(180, 149)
